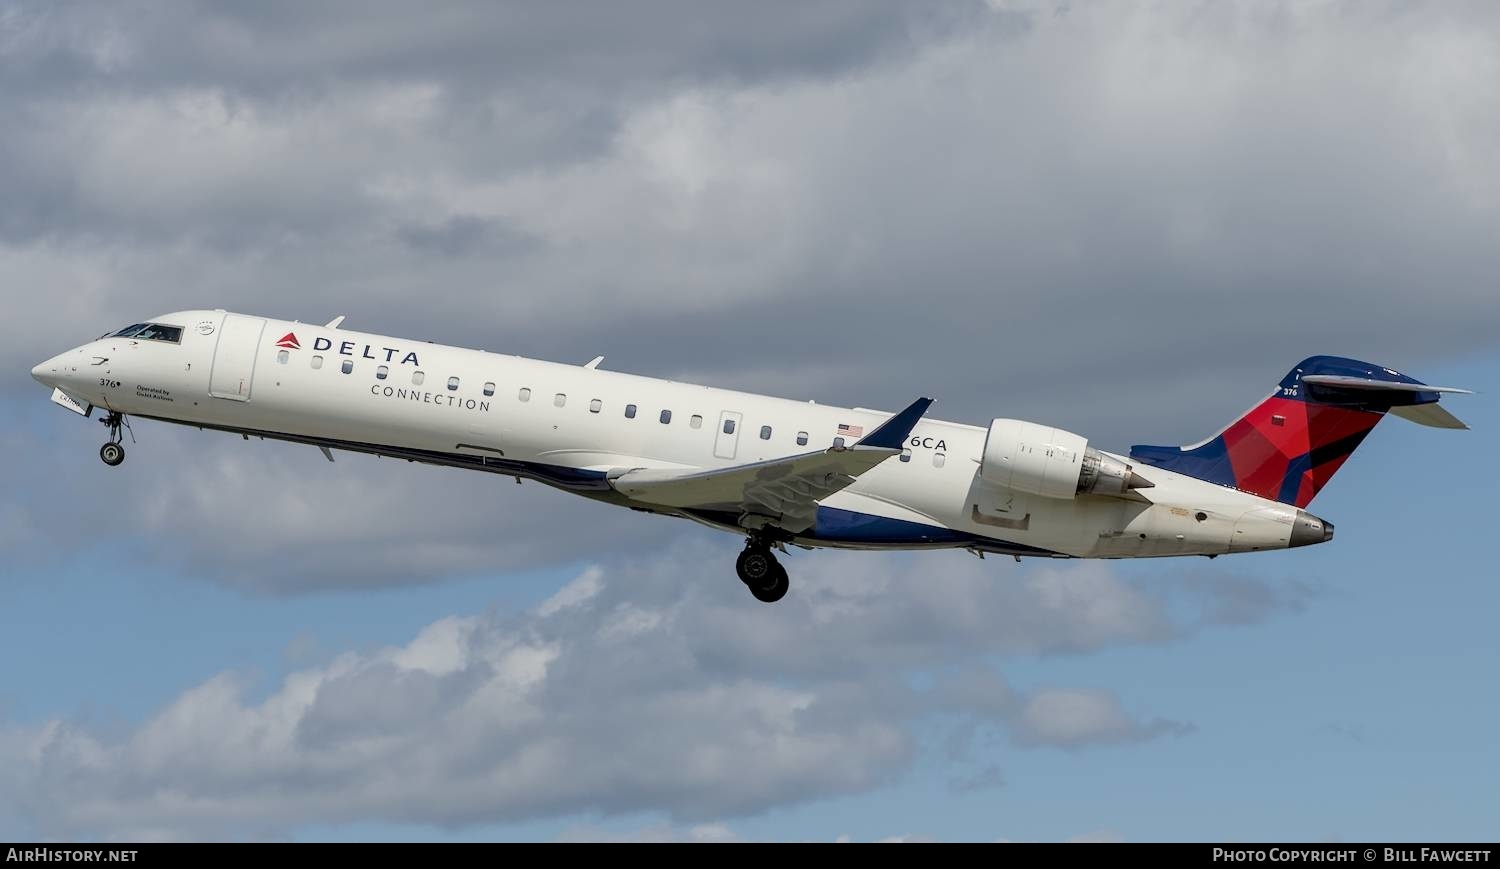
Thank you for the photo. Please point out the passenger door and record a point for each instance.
(234, 357)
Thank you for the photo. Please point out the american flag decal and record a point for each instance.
(852, 431)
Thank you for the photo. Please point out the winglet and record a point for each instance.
(335, 322)
(891, 435)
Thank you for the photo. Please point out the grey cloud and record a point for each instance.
(615, 697)
(380, 699)
(277, 518)
(988, 778)
(280, 47)
(1073, 719)
(1342, 730)
(1227, 596)
(658, 833)
(102, 96)
(465, 234)
(1001, 215)
(977, 689)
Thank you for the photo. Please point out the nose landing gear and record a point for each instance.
(761, 572)
(113, 453)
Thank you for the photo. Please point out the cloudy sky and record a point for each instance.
(1125, 219)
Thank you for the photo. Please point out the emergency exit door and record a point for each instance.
(234, 357)
(728, 438)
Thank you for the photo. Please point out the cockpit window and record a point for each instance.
(159, 332)
(150, 332)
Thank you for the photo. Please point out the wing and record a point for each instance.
(784, 491)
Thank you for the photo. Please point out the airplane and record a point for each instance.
(778, 472)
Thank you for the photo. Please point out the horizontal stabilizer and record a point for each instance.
(1429, 414)
(1343, 382)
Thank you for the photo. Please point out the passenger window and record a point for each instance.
(728, 426)
(382, 372)
(630, 411)
(666, 417)
(453, 384)
(282, 357)
(417, 377)
(906, 454)
(317, 362)
(695, 421)
(938, 459)
(348, 366)
(838, 443)
(524, 394)
(801, 438)
(595, 406)
(559, 400)
(765, 432)
(489, 389)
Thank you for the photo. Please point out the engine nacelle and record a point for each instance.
(1046, 461)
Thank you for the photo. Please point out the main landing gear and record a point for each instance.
(761, 572)
(113, 452)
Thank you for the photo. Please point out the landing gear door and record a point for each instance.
(82, 408)
(728, 438)
(234, 357)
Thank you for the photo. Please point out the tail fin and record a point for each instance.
(1289, 446)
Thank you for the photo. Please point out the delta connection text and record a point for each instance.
(1352, 855)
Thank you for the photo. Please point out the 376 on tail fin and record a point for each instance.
(1289, 446)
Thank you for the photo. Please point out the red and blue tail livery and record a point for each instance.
(1289, 446)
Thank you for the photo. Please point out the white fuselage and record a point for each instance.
(568, 425)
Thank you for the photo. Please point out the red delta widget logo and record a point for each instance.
(289, 341)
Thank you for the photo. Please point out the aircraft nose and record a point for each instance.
(53, 372)
(44, 371)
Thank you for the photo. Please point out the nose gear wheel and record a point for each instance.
(113, 452)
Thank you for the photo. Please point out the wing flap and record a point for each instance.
(785, 490)
(810, 475)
